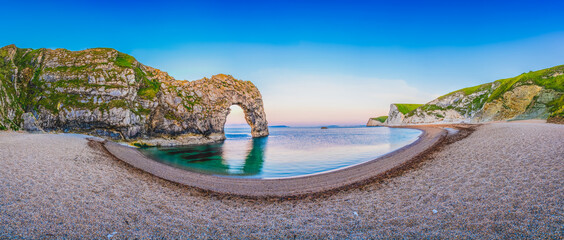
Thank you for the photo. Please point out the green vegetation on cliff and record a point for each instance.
(550, 78)
(125, 60)
(407, 107)
(381, 119)
(532, 95)
(504, 98)
(104, 92)
(469, 90)
(24, 88)
(557, 107)
(53, 80)
(17, 68)
(149, 88)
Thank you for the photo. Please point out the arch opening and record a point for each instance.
(236, 124)
(236, 117)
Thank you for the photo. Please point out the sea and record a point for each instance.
(287, 152)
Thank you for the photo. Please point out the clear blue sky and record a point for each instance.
(314, 61)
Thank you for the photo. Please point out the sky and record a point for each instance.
(315, 62)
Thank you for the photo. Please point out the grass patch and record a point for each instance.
(431, 107)
(406, 107)
(557, 107)
(141, 111)
(149, 88)
(56, 101)
(478, 102)
(381, 119)
(25, 56)
(469, 90)
(73, 69)
(543, 78)
(117, 104)
(550, 78)
(148, 92)
(171, 116)
(504, 86)
(77, 83)
(124, 60)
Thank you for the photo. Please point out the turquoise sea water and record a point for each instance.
(286, 152)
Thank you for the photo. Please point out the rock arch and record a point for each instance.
(245, 95)
(254, 115)
(106, 93)
(201, 107)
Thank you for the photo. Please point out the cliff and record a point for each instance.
(107, 93)
(377, 121)
(396, 115)
(398, 111)
(532, 95)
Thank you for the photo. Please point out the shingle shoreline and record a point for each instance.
(431, 137)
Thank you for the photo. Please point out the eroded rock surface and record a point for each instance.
(532, 95)
(512, 104)
(373, 123)
(107, 93)
(395, 117)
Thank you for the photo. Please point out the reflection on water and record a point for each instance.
(287, 152)
(255, 157)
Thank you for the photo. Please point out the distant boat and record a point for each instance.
(324, 128)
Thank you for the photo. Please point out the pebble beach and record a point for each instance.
(505, 180)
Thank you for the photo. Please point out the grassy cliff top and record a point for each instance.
(381, 119)
(549, 78)
(407, 107)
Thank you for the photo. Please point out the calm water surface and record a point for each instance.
(287, 152)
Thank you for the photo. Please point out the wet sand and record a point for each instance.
(504, 180)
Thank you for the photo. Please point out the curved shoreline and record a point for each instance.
(285, 187)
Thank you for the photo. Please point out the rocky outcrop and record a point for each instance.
(377, 121)
(512, 104)
(397, 113)
(107, 93)
(373, 123)
(533, 95)
(395, 117)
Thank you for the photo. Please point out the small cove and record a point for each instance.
(286, 152)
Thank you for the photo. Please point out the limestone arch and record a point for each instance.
(254, 116)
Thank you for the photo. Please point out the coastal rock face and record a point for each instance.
(107, 93)
(377, 121)
(398, 112)
(512, 104)
(395, 117)
(532, 95)
(457, 107)
(373, 123)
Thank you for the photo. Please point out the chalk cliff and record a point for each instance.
(107, 93)
(377, 121)
(532, 95)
